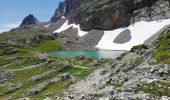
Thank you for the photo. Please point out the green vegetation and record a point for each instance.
(162, 52)
(20, 35)
(52, 90)
(96, 95)
(22, 76)
(117, 85)
(30, 57)
(138, 47)
(158, 88)
(35, 55)
(92, 5)
(137, 61)
(48, 45)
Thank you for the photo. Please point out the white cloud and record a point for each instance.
(7, 27)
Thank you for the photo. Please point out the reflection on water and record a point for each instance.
(93, 53)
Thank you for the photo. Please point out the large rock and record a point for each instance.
(1, 52)
(5, 75)
(123, 37)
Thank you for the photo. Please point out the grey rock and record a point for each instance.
(59, 12)
(39, 88)
(43, 85)
(123, 37)
(1, 52)
(13, 87)
(12, 51)
(5, 75)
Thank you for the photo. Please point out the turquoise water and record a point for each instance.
(94, 53)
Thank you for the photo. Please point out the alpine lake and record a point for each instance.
(92, 53)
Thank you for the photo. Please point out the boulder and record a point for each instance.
(5, 75)
(12, 51)
(1, 52)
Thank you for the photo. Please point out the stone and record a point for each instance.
(38, 88)
(14, 87)
(165, 98)
(5, 75)
(12, 51)
(123, 37)
(1, 52)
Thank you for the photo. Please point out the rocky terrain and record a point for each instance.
(27, 71)
(136, 75)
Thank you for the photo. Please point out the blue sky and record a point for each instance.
(13, 11)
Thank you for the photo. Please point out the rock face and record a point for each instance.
(107, 15)
(110, 14)
(59, 12)
(29, 20)
(65, 8)
(160, 10)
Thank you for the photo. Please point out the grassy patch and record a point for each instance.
(137, 62)
(117, 85)
(162, 52)
(52, 90)
(48, 45)
(79, 73)
(138, 47)
(23, 75)
(158, 88)
(23, 63)
(21, 34)
(96, 95)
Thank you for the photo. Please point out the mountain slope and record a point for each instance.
(111, 14)
(28, 72)
(134, 75)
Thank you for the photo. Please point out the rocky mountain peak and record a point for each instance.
(65, 9)
(29, 20)
(59, 12)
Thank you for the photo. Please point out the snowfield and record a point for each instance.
(140, 32)
(63, 17)
(46, 26)
(66, 26)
